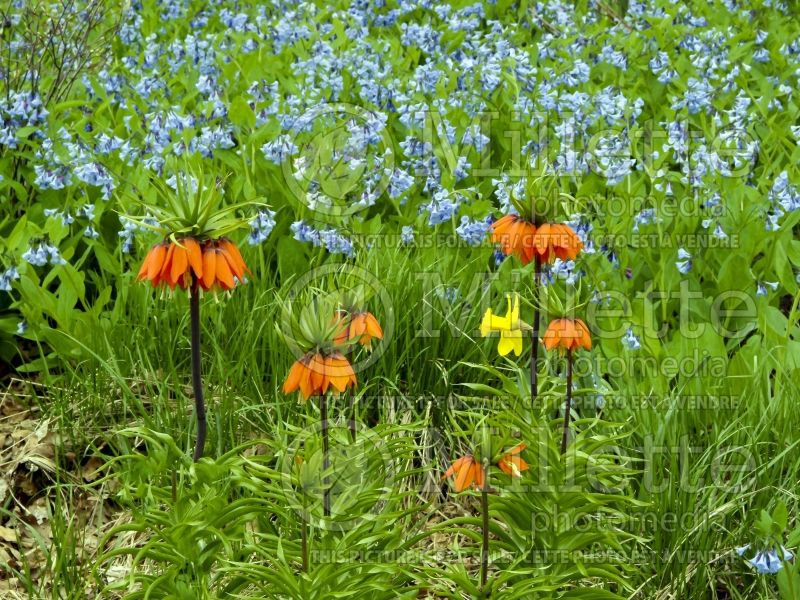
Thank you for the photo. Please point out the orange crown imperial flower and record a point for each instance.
(556, 240)
(361, 326)
(172, 262)
(222, 262)
(511, 462)
(515, 235)
(567, 334)
(468, 472)
(185, 261)
(315, 373)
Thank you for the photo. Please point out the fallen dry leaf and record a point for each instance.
(91, 470)
(8, 534)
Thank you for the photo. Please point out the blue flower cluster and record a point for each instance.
(767, 561)
(396, 98)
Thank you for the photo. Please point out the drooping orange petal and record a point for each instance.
(143, 269)
(306, 388)
(456, 466)
(147, 264)
(224, 275)
(551, 336)
(504, 466)
(586, 337)
(331, 373)
(236, 267)
(340, 372)
(167, 264)
(502, 233)
(179, 264)
(569, 335)
(357, 326)
(572, 243)
(515, 236)
(464, 475)
(209, 268)
(293, 378)
(478, 474)
(156, 261)
(195, 255)
(541, 242)
(525, 248)
(502, 224)
(318, 379)
(233, 250)
(373, 327)
(512, 465)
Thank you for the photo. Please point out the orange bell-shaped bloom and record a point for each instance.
(511, 462)
(314, 373)
(515, 235)
(223, 265)
(556, 240)
(361, 326)
(173, 263)
(467, 471)
(339, 372)
(567, 334)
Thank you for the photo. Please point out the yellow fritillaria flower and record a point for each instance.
(509, 326)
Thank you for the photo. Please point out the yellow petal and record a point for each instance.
(492, 322)
(515, 312)
(486, 323)
(510, 341)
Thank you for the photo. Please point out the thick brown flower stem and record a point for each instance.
(485, 525)
(568, 407)
(351, 396)
(326, 492)
(535, 332)
(197, 381)
(304, 542)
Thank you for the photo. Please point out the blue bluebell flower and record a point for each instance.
(630, 340)
(684, 262)
(8, 277)
(767, 561)
(279, 149)
(761, 287)
(407, 235)
(65, 217)
(473, 232)
(40, 254)
(261, 226)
